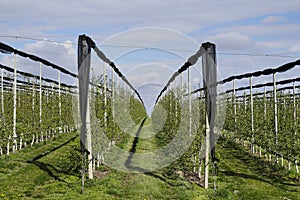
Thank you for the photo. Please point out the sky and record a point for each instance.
(249, 35)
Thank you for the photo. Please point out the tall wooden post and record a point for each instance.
(33, 111)
(41, 97)
(105, 95)
(265, 115)
(190, 102)
(251, 116)
(89, 139)
(113, 100)
(275, 117)
(113, 93)
(181, 88)
(84, 62)
(245, 103)
(59, 100)
(15, 105)
(295, 110)
(2, 96)
(209, 83)
(295, 123)
(176, 101)
(234, 106)
(265, 104)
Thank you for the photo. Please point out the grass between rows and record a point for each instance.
(51, 170)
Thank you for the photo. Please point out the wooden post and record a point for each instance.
(251, 116)
(245, 103)
(295, 111)
(265, 116)
(207, 148)
(19, 98)
(245, 114)
(295, 123)
(47, 95)
(113, 93)
(84, 60)
(176, 102)
(2, 96)
(200, 159)
(21, 141)
(181, 88)
(41, 97)
(105, 95)
(113, 101)
(265, 105)
(209, 76)
(89, 140)
(33, 110)
(59, 101)
(169, 92)
(78, 105)
(53, 112)
(7, 147)
(275, 117)
(2, 104)
(234, 106)
(190, 102)
(15, 106)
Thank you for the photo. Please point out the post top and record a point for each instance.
(206, 45)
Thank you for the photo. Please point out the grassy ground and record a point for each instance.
(243, 176)
(51, 171)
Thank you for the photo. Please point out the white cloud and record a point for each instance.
(232, 40)
(219, 21)
(258, 30)
(63, 55)
(294, 49)
(274, 19)
(272, 45)
(149, 73)
(165, 41)
(115, 16)
(271, 39)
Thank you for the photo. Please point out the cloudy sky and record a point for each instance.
(244, 32)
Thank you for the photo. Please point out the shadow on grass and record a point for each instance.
(167, 180)
(145, 171)
(50, 168)
(133, 147)
(54, 149)
(258, 168)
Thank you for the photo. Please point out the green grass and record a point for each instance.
(243, 176)
(52, 171)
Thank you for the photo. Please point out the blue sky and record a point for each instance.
(235, 26)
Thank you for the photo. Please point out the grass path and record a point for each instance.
(243, 176)
(51, 171)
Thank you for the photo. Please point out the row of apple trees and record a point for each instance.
(113, 111)
(283, 143)
(42, 111)
(184, 128)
